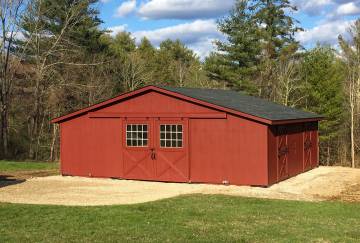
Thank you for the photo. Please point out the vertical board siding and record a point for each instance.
(272, 155)
(296, 148)
(315, 145)
(154, 102)
(299, 158)
(105, 147)
(232, 150)
(95, 146)
(91, 147)
(75, 147)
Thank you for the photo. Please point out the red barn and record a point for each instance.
(189, 135)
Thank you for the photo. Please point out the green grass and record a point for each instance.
(205, 218)
(26, 166)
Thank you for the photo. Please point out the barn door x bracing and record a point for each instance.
(283, 151)
(156, 149)
(310, 146)
(307, 149)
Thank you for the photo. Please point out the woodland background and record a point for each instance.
(56, 58)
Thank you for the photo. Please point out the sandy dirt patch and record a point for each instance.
(322, 183)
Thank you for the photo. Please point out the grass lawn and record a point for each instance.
(210, 218)
(13, 166)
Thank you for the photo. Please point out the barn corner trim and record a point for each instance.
(181, 96)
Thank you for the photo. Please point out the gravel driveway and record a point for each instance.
(322, 183)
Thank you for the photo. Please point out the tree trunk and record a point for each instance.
(53, 142)
(328, 154)
(4, 130)
(33, 120)
(352, 131)
(352, 124)
(38, 137)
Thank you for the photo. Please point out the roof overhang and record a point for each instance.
(140, 91)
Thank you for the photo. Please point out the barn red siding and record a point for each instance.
(94, 146)
(298, 158)
(218, 146)
(106, 155)
(232, 150)
(296, 148)
(91, 147)
(153, 103)
(272, 155)
(315, 144)
(75, 144)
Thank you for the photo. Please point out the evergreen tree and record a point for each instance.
(122, 44)
(146, 48)
(278, 44)
(147, 52)
(216, 68)
(175, 63)
(82, 31)
(323, 74)
(239, 54)
(259, 33)
(276, 28)
(58, 35)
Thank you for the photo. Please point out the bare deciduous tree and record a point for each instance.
(288, 83)
(351, 54)
(10, 14)
(133, 72)
(47, 50)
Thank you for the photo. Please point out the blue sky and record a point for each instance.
(194, 21)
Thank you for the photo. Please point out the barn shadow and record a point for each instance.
(9, 180)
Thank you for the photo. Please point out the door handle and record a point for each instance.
(153, 155)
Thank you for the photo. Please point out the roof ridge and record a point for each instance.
(259, 107)
(229, 100)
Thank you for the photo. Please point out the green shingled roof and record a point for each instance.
(244, 103)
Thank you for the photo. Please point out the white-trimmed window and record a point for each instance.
(171, 136)
(137, 135)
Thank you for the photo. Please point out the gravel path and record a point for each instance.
(322, 183)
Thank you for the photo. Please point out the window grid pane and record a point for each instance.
(171, 136)
(137, 135)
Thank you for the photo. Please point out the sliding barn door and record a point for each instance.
(156, 149)
(172, 150)
(138, 149)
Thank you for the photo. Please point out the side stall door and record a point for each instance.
(171, 150)
(315, 145)
(295, 144)
(283, 151)
(308, 143)
(137, 149)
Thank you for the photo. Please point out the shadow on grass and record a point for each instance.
(9, 180)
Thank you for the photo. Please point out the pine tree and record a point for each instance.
(147, 52)
(58, 35)
(277, 34)
(259, 33)
(239, 53)
(175, 63)
(122, 44)
(322, 75)
(146, 48)
(53, 15)
(277, 29)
